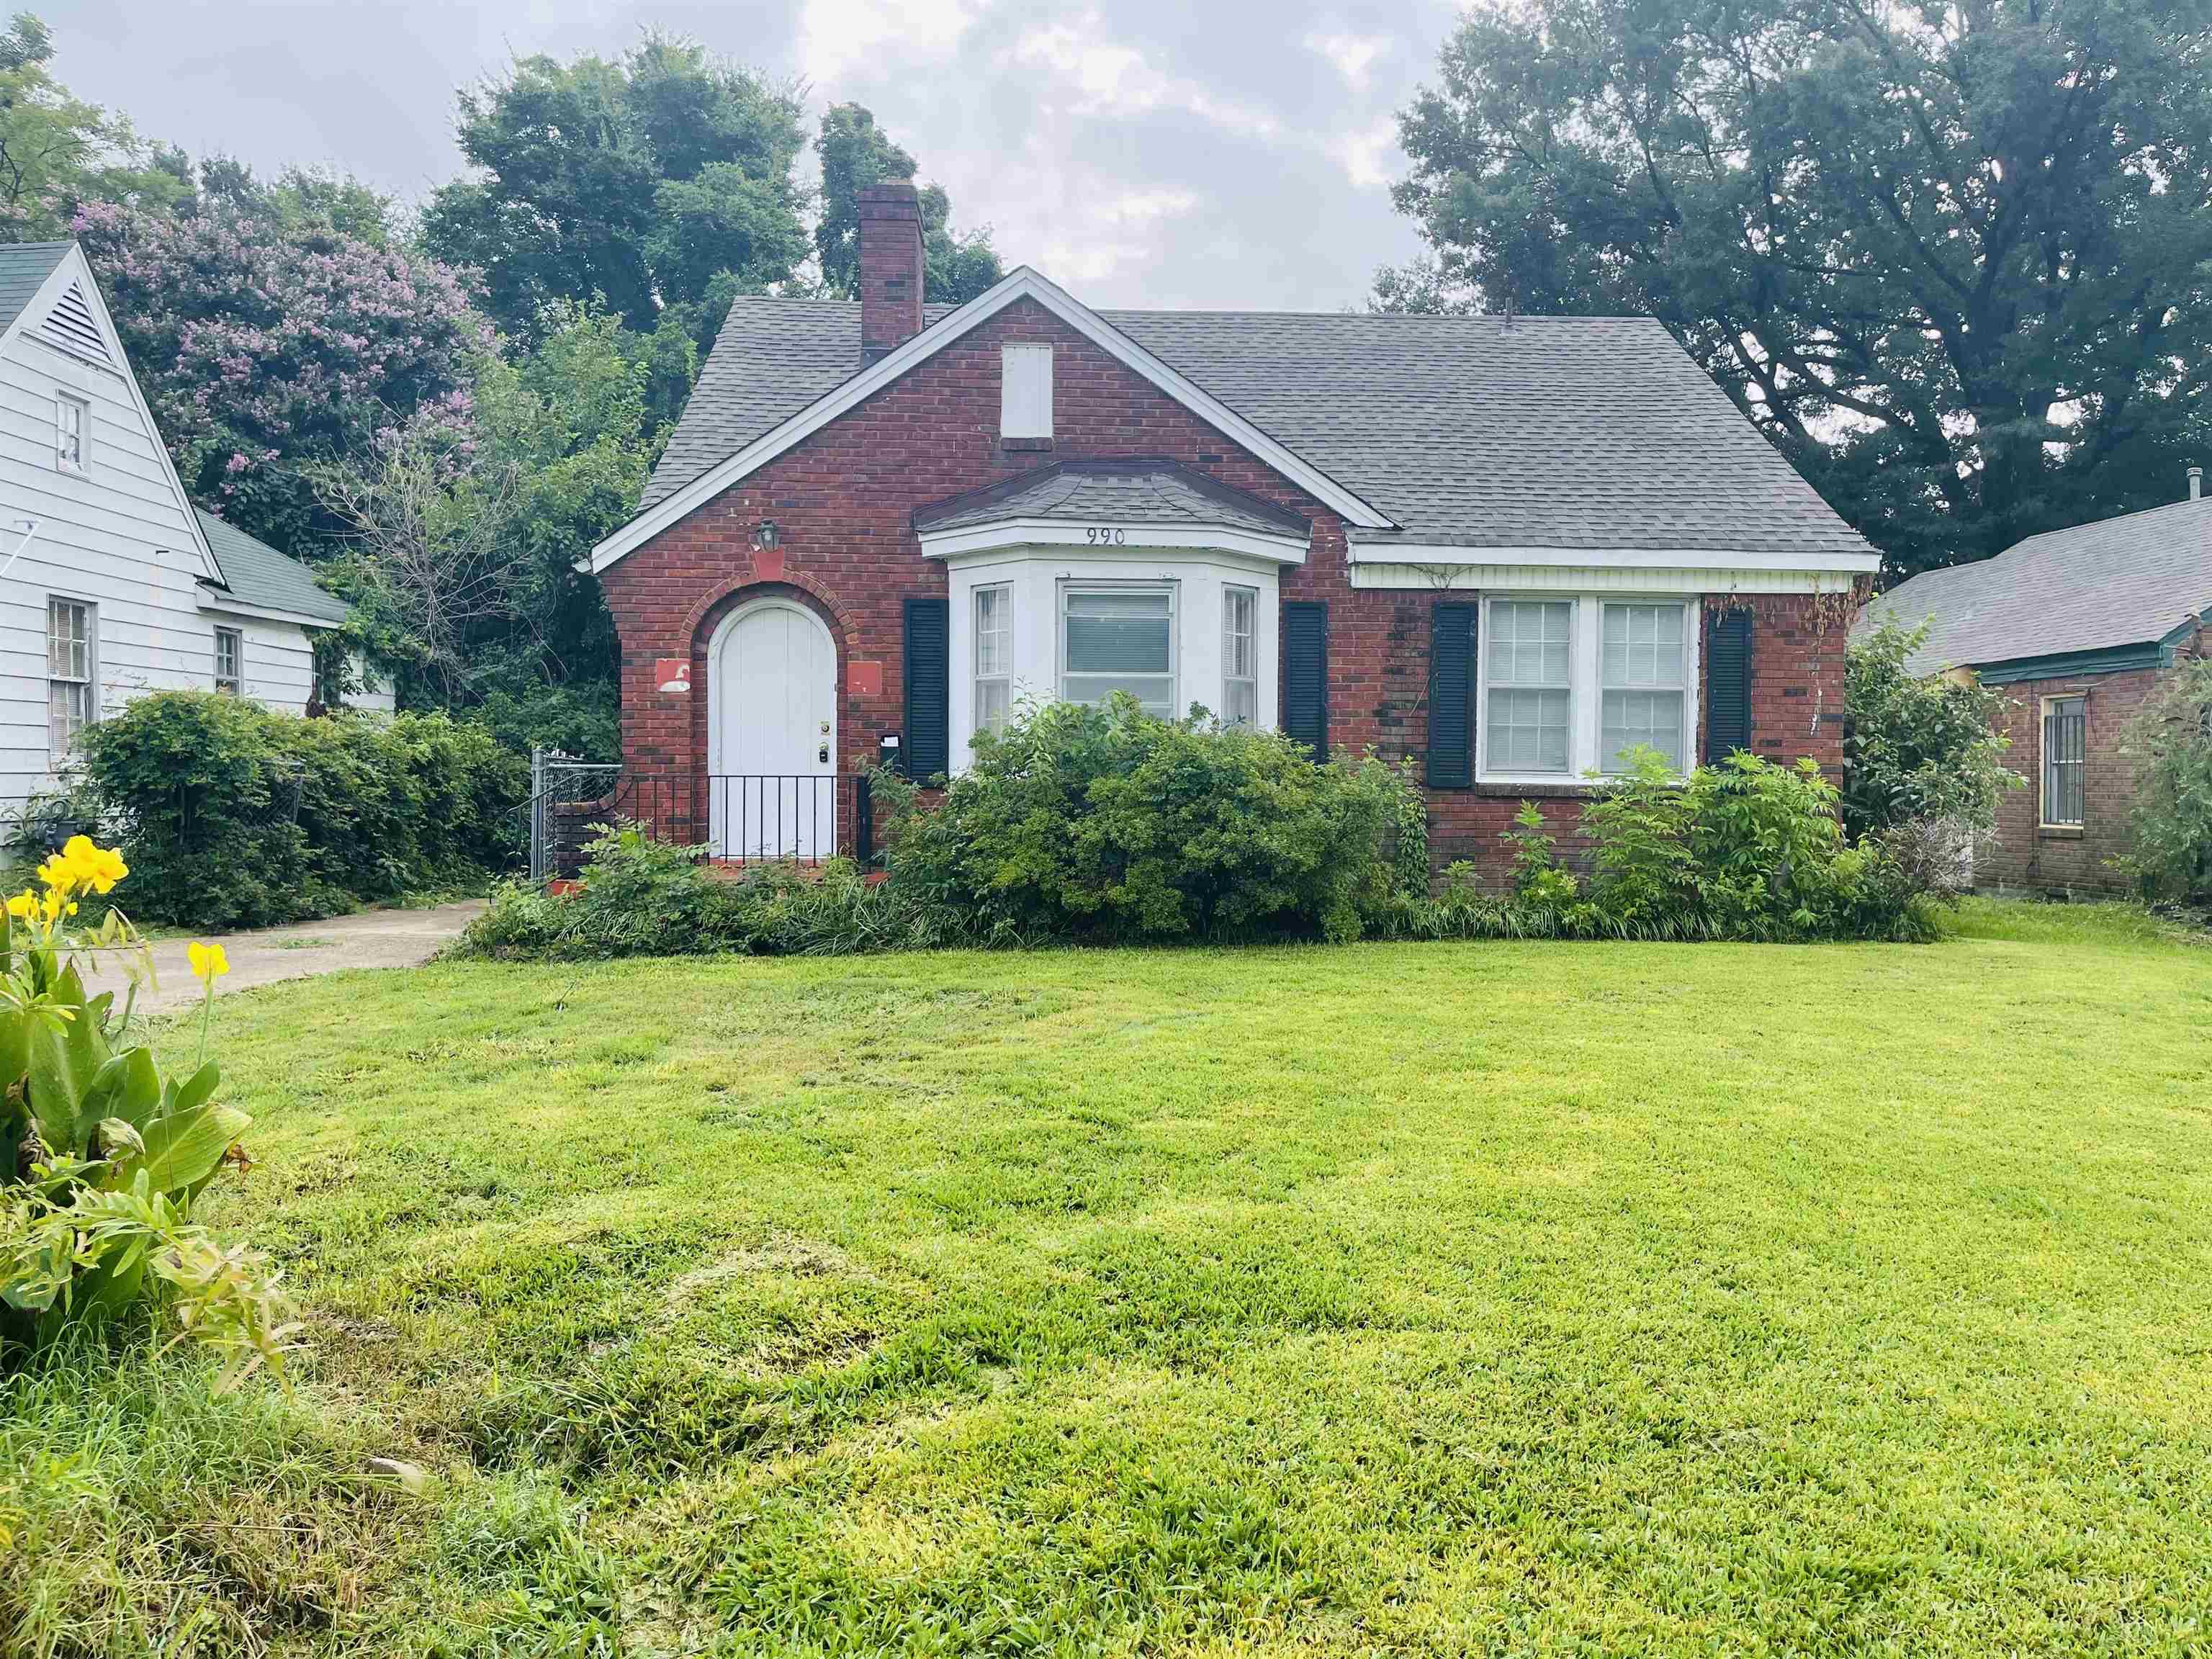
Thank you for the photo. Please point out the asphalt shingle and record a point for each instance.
(1548, 432)
(2123, 581)
(24, 266)
(1132, 492)
(256, 574)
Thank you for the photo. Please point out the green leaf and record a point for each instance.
(184, 1147)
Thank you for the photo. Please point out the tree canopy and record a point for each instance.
(658, 186)
(855, 153)
(1951, 256)
(57, 151)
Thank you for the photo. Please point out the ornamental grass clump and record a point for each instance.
(101, 1152)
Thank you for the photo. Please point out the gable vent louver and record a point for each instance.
(71, 324)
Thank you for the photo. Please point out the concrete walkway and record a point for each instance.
(373, 938)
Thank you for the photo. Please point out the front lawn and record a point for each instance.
(1412, 1300)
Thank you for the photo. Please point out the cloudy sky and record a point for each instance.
(1141, 152)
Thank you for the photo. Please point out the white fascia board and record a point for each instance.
(1058, 533)
(221, 605)
(1022, 284)
(1590, 578)
(74, 267)
(1627, 558)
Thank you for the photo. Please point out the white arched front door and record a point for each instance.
(772, 733)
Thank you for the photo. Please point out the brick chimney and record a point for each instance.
(890, 267)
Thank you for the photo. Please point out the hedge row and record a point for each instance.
(233, 815)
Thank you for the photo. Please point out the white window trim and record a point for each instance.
(1230, 592)
(82, 464)
(237, 685)
(1024, 390)
(977, 678)
(1071, 585)
(62, 755)
(2043, 710)
(1586, 695)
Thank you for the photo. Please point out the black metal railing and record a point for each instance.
(741, 818)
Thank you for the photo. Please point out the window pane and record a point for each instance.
(1238, 604)
(1529, 642)
(1527, 731)
(1118, 633)
(993, 632)
(1241, 703)
(2065, 755)
(1651, 719)
(1641, 645)
(992, 699)
(67, 706)
(68, 640)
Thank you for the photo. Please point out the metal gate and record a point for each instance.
(562, 791)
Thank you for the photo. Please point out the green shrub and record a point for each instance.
(1918, 747)
(234, 815)
(1108, 823)
(2169, 742)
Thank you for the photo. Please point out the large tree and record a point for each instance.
(267, 344)
(57, 151)
(1952, 256)
(657, 185)
(855, 153)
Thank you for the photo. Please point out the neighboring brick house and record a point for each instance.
(2078, 626)
(1502, 549)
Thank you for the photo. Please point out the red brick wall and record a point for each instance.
(2025, 853)
(843, 499)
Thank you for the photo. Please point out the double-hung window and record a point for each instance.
(70, 660)
(1240, 659)
(1643, 675)
(72, 426)
(229, 661)
(1118, 638)
(994, 657)
(2065, 761)
(1528, 699)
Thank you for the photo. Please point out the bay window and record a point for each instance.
(994, 657)
(1118, 638)
(1239, 657)
(1573, 685)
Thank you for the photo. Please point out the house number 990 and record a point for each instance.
(1099, 535)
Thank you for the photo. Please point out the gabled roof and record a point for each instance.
(24, 268)
(2125, 582)
(1130, 492)
(259, 578)
(68, 282)
(1555, 433)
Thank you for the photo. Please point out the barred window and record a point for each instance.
(2065, 761)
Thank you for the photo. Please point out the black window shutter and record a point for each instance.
(1451, 674)
(926, 744)
(1305, 674)
(1728, 684)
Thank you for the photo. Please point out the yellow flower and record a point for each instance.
(208, 961)
(94, 866)
(55, 899)
(58, 873)
(24, 905)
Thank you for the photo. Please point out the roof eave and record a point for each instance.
(1455, 555)
(1007, 535)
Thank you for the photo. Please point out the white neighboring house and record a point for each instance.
(111, 582)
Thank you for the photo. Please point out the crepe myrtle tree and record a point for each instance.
(1950, 256)
(266, 347)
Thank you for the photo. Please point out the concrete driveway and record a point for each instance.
(373, 938)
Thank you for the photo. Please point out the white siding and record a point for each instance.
(120, 537)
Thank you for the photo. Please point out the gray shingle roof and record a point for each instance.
(258, 575)
(1146, 492)
(2123, 581)
(23, 267)
(1556, 432)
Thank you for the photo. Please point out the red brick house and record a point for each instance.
(1504, 549)
(2079, 627)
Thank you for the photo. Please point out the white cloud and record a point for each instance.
(1354, 55)
(1370, 158)
(1091, 74)
(838, 36)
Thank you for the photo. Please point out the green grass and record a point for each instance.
(1535, 1298)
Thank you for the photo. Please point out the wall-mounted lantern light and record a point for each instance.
(766, 537)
